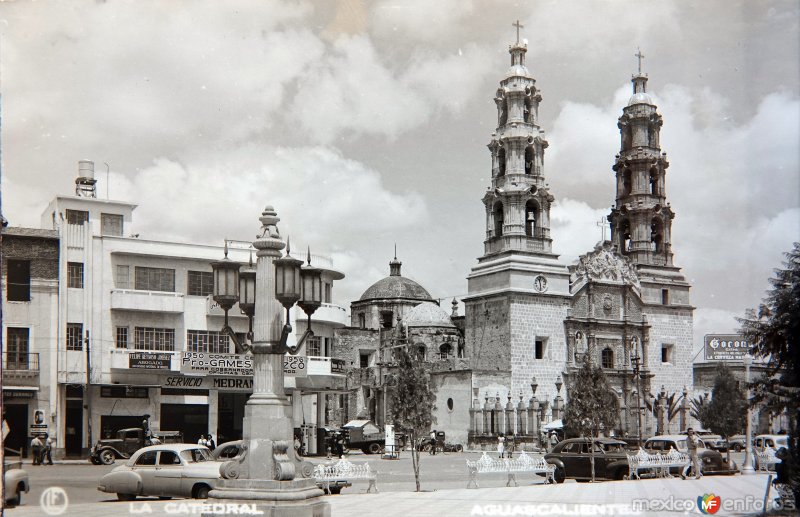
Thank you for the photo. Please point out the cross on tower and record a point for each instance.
(602, 224)
(518, 26)
(640, 56)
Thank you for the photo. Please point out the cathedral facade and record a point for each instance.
(531, 320)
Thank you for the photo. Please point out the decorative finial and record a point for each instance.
(309, 255)
(518, 26)
(640, 56)
(251, 257)
(395, 251)
(288, 245)
(226, 248)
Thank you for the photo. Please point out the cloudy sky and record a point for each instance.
(365, 124)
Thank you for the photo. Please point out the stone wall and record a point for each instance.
(452, 387)
(41, 252)
(487, 334)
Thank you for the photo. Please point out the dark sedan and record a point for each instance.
(572, 459)
(712, 461)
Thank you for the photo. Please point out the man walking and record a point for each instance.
(692, 443)
(47, 453)
(36, 449)
(433, 442)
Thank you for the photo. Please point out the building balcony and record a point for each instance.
(21, 369)
(146, 301)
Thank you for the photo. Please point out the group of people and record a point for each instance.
(207, 440)
(42, 448)
(506, 445)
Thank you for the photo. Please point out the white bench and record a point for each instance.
(522, 463)
(766, 459)
(345, 471)
(659, 464)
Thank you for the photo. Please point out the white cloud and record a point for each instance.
(574, 228)
(419, 19)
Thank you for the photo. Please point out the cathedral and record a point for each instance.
(531, 320)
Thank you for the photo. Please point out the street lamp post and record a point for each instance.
(748, 460)
(267, 473)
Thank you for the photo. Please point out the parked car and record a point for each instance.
(572, 459)
(176, 470)
(711, 460)
(737, 442)
(364, 435)
(127, 442)
(16, 481)
(762, 441)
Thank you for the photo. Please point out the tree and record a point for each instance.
(725, 414)
(412, 403)
(774, 331)
(592, 406)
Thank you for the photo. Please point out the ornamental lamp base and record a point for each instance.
(268, 498)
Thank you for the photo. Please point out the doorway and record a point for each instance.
(17, 419)
(73, 427)
(189, 419)
(230, 420)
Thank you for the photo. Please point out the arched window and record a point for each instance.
(627, 182)
(498, 219)
(654, 182)
(531, 217)
(607, 358)
(625, 236)
(529, 159)
(501, 162)
(656, 235)
(503, 106)
(445, 350)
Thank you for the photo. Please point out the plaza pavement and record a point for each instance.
(666, 497)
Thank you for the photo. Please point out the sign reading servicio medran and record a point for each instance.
(726, 347)
(204, 363)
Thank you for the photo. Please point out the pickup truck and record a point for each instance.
(364, 435)
(127, 442)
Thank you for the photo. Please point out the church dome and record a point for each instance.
(640, 98)
(395, 286)
(428, 314)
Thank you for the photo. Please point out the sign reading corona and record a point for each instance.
(726, 347)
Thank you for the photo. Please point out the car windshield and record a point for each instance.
(196, 455)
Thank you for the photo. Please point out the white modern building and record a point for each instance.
(139, 333)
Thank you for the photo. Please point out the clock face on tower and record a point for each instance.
(540, 283)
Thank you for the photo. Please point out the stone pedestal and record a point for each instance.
(294, 498)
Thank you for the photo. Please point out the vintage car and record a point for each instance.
(712, 461)
(127, 442)
(176, 470)
(16, 482)
(762, 441)
(737, 442)
(572, 459)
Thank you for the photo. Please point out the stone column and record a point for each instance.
(521, 428)
(487, 417)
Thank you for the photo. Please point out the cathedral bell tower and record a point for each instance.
(641, 220)
(517, 202)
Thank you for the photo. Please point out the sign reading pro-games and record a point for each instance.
(204, 363)
(726, 347)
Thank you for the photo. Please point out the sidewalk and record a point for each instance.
(739, 495)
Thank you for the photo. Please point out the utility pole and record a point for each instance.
(86, 393)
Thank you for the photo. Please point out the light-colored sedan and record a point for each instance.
(173, 470)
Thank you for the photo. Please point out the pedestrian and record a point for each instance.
(433, 442)
(510, 445)
(47, 452)
(36, 449)
(692, 443)
(202, 441)
(146, 432)
(211, 443)
(501, 446)
(553, 440)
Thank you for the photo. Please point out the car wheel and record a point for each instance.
(737, 447)
(126, 497)
(560, 475)
(426, 447)
(17, 499)
(620, 474)
(201, 492)
(459, 448)
(375, 448)
(165, 497)
(95, 460)
(107, 457)
(335, 490)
